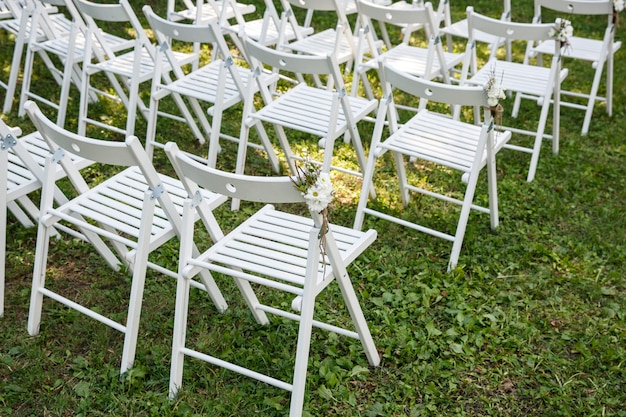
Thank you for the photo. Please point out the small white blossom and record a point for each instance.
(318, 197)
(618, 5)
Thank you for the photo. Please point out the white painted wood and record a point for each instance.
(433, 137)
(220, 84)
(542, 84)
(322, 111)
(599, 53)
(272, 248)
(133, 211)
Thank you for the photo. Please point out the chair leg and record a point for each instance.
(534, 159)
(593, 94)
(180, 329)
(3, 226)
(15, 68)
(352, 303)
(138, 283)
(39, 279)
(463, 218)
(492, 184)
(305, 329)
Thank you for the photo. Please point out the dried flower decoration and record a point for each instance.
(316, 188)
(495, 93)
(562, 31)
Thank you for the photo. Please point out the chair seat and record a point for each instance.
(413, 60)
(117, 203)
(61, 24)
(322, 44)
(579, 48)
(59, 46)
(123, 64)
(308, 109)
(275, 244)
(517, 77)
(436, 138)
(202, 84)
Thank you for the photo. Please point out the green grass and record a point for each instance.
(532, 322)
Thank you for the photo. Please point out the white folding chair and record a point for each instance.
(460, 29)
(205, 10)
(136, 210)
(322, 112)
(18, 22)
(540, 84)
(267, 29)
(272, 249)
(338, 41)
(438, 139)
(220, 83)
(70, 50)
(599, 52)
(131, 67)
(428, 62)
(22, 159)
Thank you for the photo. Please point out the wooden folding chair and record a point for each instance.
(324, 112)
(429, 62)
(136, 210)
(271, 249)
(438, 139)
(540, 84)
(598, 52)
(18, 22)
(22, 159)
(126, 70)
(220, 83)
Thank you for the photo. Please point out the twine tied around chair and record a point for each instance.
(317, 190)
(618, 6)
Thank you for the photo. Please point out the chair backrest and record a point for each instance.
(417, 15)
(434, 91)
(507, 29)
(207, 32)
(290, 62)
(243, 187)
(575, 7)
(129, 153)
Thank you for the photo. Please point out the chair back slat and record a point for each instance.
(203, 33)
(111, 153)
(401, 16)
(287, 61)
(321, 5)
(435, 91)
(508, 30)
(572, 7)
(243, 187)
(103, 12)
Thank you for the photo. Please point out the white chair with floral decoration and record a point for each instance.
(292, 257)
(598, 52)
(430, 137)
(537, 83)
(136, 212)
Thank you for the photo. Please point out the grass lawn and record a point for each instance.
(531, 323)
